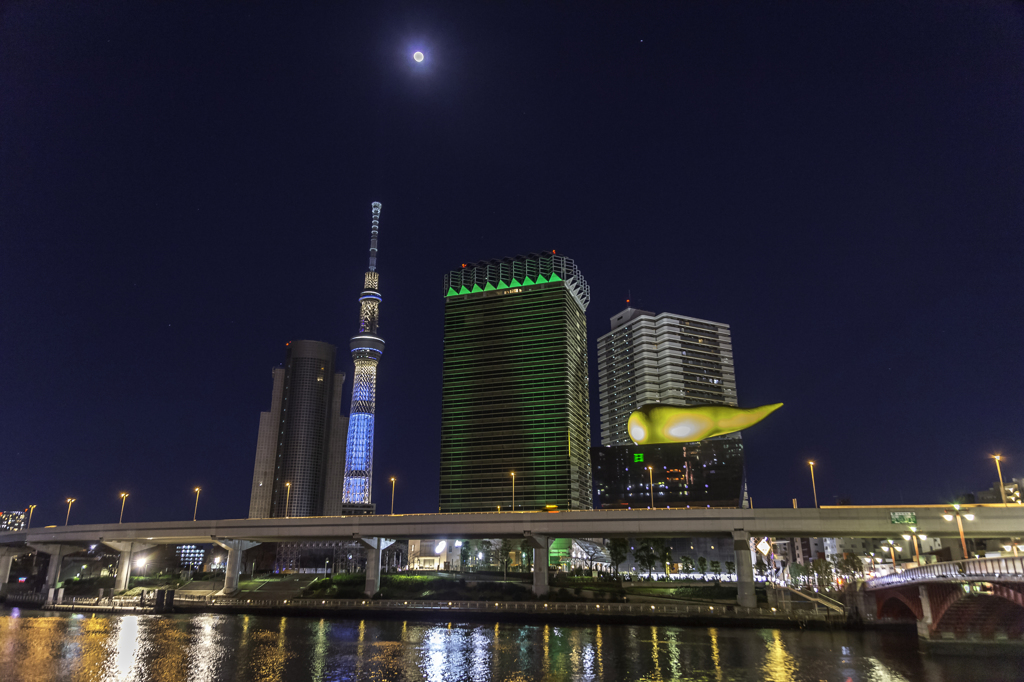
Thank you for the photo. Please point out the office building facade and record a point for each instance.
(515, 394)
(300, 456)
(675, 360)
(708, 473)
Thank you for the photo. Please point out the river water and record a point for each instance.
(45, 646)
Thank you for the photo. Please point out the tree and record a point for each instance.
(618, 550)
(665, 556)
(505, 552)
(822, 571)
(645, 557)
(730, 568)
(487, 547)
(661, 550)
(527, 553)
(702, 566)
(760, 566)
(716, 568)
(687, 564)
(797, 571)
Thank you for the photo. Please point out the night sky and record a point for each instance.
(186, 187)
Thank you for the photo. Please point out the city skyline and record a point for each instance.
(842, 190)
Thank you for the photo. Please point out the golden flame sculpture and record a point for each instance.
(657, 423)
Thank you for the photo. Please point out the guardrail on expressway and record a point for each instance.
(1004, 569)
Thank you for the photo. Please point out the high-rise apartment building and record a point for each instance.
(300, 455)
(367, 349)
(675, 360)
(515, 395)
(666, 358)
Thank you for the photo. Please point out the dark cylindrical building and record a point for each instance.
(304, 430)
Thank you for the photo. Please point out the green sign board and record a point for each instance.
(909, 518)
(638, 457)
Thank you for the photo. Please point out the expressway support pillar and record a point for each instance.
(233, 567)
(57, 554)
(374, 549)
(540, 544)
(7, 555)
(127, 548)
(745, 595)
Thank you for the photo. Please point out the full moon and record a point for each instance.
(418, 56)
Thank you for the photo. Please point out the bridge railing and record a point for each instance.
(1009, 569)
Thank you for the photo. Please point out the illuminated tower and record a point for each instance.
(367, 349)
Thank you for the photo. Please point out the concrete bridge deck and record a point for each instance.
(990, 521)
(539, 528)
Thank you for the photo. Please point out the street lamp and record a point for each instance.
(31, 508)
(68, 518)
(513, 491)
(814, 485)
(650, 471)
(124, 497)
(392, 495)
(196, 510)
(892, 552)
(287, 499)
(999, 470)
(913, 530)
(955, 511)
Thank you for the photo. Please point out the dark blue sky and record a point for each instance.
(184, 188)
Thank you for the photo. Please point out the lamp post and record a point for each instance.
(999, 470)
(68, 517)
(892, 552)
(31, 508)
(287, 499)
(124, 496)
(650, 471)
(955, 511)
(914, 536)
(392, 495)
(196, 510)
(513, 491)
(814, 485)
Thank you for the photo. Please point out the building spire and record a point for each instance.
(373, 236)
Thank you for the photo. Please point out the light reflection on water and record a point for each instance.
(107, 648)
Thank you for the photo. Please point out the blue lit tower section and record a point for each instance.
(367, 349)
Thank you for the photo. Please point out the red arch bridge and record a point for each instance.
(969, 601)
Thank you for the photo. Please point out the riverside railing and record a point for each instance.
(581, 608)
(1006, 569)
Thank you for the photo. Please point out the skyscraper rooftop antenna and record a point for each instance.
(373, 235)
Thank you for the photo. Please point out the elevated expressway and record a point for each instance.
(377, 531)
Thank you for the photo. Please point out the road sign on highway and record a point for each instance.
(907, 517)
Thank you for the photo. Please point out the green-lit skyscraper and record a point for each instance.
(515, 386)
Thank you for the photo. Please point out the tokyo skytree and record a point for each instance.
(367, 349)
